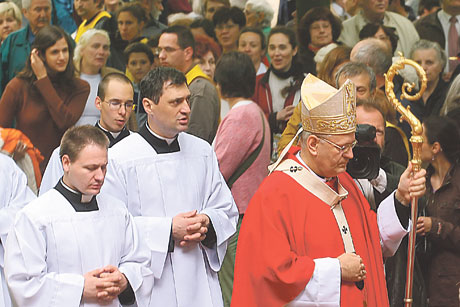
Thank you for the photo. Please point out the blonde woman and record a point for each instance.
(10, 19)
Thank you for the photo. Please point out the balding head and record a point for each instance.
(374, 53)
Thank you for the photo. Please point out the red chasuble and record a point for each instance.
(285, 227)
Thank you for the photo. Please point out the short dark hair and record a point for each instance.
(207, 26)
(427, 4)
(236, 75)
(315, 14)
(370, 29)
(140, 48)
(257, 31)
(78, 137)
(135, 9)
(151, 86)
(153, 41)
(109, 77)
(444, 130)
(352, 69)
(184, 36)
(224, 14)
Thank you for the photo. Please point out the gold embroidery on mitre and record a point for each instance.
(335, 115)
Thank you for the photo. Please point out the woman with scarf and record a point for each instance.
(278, 90)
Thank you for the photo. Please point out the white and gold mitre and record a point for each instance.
(326, 110)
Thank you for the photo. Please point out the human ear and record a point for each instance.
(98, 103)
(436, 148)
(312, 145)
(65, 163)
(188, 53)
(148, 105)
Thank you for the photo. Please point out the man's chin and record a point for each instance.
(91, 191)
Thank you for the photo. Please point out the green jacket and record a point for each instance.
(13, 53)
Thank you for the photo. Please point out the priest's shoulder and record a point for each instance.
(44, 207)
(106, 201)
(277, 183)
(193, 144)
(129, 148)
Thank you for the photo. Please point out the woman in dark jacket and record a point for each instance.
(441, 225)
(316, 29)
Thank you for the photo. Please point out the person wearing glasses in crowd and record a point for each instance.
(115, 103)
(228, 22)
(309, 237)
(176, 48)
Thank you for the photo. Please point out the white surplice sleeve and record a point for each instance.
(154, 231)
(223, 212)
(135, 263)
(323, 289)
(26, 269)
(390, 228)
(52, 174)
(15, 194)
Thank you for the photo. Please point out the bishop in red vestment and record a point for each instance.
(294, 249)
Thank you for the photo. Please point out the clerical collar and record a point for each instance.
(160, 144)
(323, 179)
(114, 137)
(75, 198)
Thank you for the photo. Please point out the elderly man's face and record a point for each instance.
(376, 7)
(253, 18)
(330, 160)
(362, 83)
(38, 14)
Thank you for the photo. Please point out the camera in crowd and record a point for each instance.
(366, 154)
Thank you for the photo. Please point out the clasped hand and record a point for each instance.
(352, 267)
(190, 227)
(104, 285)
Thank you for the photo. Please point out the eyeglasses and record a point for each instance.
(342, 149)
(166, 49)
(116, 105)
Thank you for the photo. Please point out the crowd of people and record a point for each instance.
(194, 153)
